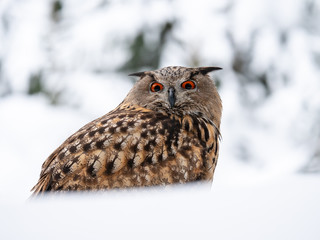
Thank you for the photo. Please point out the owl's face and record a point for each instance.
(177, 90)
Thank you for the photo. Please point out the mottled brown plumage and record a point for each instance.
(165, 131)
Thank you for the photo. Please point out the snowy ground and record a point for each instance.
(245, 201)
(284, 209)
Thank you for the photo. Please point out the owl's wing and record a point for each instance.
(132, 146)
(94, 156)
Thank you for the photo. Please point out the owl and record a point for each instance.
(165, 131)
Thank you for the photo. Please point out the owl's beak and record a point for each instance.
(171, 96)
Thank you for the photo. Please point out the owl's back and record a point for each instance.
(133, 146)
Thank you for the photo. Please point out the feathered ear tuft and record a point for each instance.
(205, 70)
(137, 74)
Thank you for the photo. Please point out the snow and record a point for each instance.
(284, 208)
(257, 193)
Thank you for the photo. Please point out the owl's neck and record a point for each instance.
(176, 114)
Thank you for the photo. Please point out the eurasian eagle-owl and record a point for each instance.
(165, 131)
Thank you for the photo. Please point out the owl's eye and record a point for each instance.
(188, 85)
(156, 87)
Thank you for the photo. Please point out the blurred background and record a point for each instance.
(64, 63)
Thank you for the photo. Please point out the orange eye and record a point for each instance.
(156, 87)
(188, 85)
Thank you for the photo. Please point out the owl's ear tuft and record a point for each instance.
(137, 74)
(205, 70)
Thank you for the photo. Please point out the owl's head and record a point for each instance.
(178, 90)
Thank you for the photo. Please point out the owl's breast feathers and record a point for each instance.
(133, 146)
